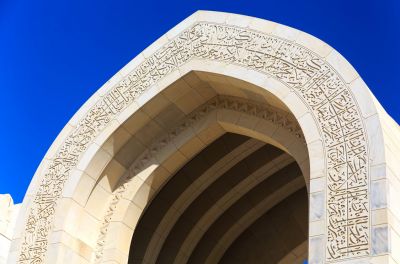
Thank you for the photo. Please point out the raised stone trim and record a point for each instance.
(267, 112)
(312, 78)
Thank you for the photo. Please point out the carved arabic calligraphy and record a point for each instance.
(309, 76)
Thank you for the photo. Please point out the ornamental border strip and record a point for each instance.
(325, 93)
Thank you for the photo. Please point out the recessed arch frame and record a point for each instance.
(220, 115)
(339, 117)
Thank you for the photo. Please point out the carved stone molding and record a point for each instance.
(312, 78)
(269, 113)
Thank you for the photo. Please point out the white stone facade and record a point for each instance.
(219, 73)
(8, 216)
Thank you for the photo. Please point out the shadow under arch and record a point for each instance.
(218, 115)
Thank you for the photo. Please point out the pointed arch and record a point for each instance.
(339, 118)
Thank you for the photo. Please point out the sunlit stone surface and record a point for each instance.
(231, 139)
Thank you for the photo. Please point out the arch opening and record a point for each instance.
(237, 201)
(265, 134)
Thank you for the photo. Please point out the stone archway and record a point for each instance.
(349, 165)
(207, 123)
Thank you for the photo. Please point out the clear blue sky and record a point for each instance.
(55, 54)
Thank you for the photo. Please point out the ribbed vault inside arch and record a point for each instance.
(175, 175)
(237, 201)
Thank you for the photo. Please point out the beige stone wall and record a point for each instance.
(8, 215)
(385, 189)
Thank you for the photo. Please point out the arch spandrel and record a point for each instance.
(259, 52)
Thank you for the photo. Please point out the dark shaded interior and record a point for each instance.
(273, 235)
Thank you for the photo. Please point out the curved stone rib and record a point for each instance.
(252, 216)
(297, 255)
(243, 205)
(210, 196)
(206, 160)
(270, 114)
(226, 201)
(184, 200)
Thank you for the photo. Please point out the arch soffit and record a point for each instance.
(208, 126)
(138, 184)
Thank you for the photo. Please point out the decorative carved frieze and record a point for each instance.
(267, 112)
(311, 77)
